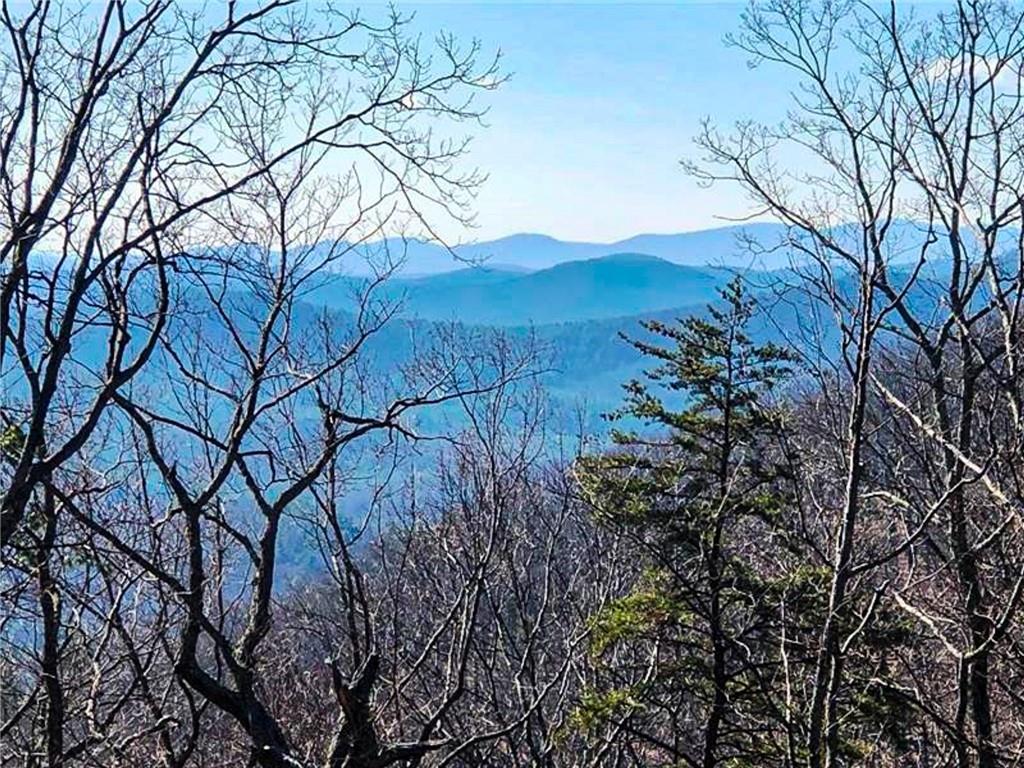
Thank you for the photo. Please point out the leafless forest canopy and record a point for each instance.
(799, 551)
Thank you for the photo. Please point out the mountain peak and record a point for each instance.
(630, 257)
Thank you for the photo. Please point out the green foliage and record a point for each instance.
(693, 485)
(12, 442)
(696, 461)
(647, 608)
(714, 363)
(597, 707)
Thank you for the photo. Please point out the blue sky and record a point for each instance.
(584, 141)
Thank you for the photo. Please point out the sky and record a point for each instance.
(584, 140)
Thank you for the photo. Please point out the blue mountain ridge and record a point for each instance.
(530, 251)
(600, 288)
(752, 245)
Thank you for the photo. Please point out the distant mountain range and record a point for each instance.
(719, 247)
(576, 302)
(592, 289)
(536, 280)
(760, 246)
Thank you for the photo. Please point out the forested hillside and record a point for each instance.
(665, 502)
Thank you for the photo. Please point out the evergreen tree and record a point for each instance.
(693, 483)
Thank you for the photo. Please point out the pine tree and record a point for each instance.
(692, 481)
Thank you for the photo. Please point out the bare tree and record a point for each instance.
(907, 230)
(173, 184)
(129, 134)
(453, 621)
